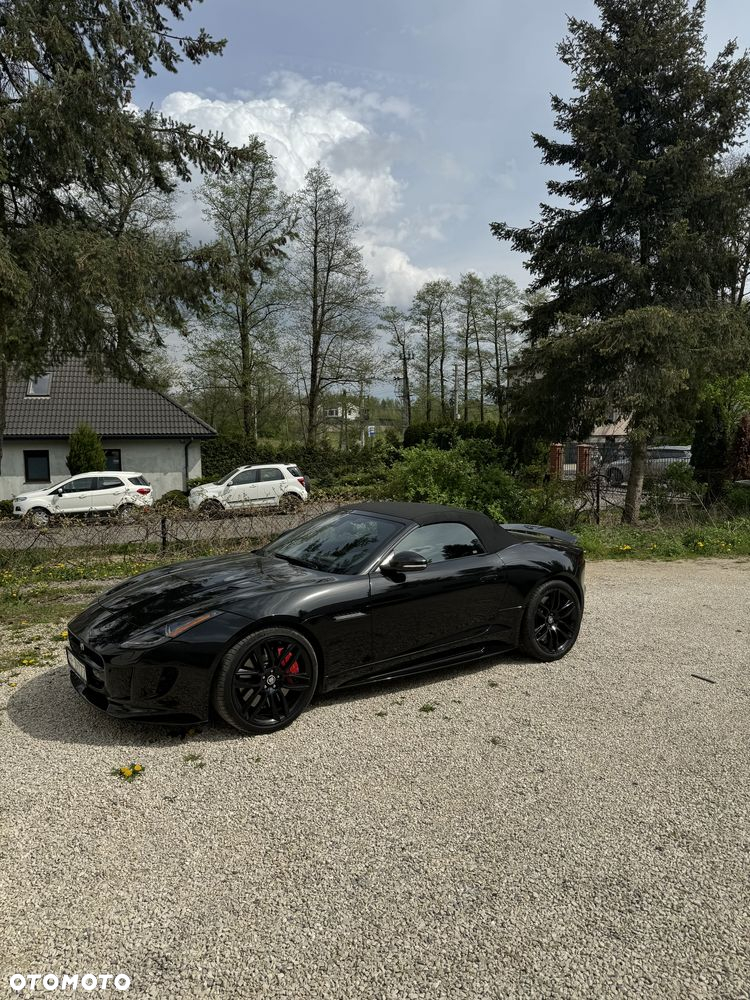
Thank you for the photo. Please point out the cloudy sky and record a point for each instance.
(421, 109)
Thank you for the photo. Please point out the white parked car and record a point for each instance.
(90, 493)
(282, 486)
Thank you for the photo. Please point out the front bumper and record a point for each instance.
(169, 683)
(120, 710)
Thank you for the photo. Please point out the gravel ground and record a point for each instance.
(577, 830)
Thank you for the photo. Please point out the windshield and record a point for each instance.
(340, 543)
(224, 479)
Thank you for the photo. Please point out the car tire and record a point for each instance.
(126, 513)
(38, 517)
(289, 503)
(551, 621)
(211, 509)
(266, 680)
(615, 477)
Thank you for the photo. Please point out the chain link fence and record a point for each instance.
(153, 535)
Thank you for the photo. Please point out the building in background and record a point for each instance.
(142, 430)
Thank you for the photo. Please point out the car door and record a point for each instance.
(456, 601)
(109, 493)
(242, 491)
(77, 495)
(271, 485)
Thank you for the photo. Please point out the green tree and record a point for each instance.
(85, 453)
(253, 222)
(635, 255)
(69, 284)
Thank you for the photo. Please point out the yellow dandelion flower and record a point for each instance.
(126, 772)
(138, 768)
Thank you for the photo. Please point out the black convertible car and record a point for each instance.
(367, 592)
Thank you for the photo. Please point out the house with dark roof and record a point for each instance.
(142, 430)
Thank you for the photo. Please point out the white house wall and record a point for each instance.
(161, 461)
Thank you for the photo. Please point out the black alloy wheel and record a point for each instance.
(552, 620)
(266, 680)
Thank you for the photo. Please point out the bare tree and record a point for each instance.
(469, 308)
(332, 302)
(396, 324)
(501, 314)
(253, 223)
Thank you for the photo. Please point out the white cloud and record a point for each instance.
(395, 274)
(349, 130)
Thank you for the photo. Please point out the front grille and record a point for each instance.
(91, 658)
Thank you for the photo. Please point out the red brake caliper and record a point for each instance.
(293, 668)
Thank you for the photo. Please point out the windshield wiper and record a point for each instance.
(296, 562)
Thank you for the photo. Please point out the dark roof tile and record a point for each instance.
(113, 408)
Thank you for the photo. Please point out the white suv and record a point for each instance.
(90, 493)
(281, 486)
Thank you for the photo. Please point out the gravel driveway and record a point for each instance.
(577, 830)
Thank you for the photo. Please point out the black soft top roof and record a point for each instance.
(492, 536)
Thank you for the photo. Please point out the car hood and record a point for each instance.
(33, 493)
(206, 490)
(201, 584)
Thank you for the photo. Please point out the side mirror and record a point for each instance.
(59, 492)
(407, 562)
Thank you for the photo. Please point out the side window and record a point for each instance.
(36, 466)
(269, 475)
(113, 459)
(248, 476)
(440, 542)
(109, 482)
(84, 484)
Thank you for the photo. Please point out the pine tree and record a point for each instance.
(634, 257)
(70, 284)
(85, 453)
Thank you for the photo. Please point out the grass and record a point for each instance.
(678, 541)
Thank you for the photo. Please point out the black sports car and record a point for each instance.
(367, 592)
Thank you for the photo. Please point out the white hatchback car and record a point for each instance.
(90, 493)
(281, 486)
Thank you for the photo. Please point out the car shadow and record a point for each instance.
(47, 708)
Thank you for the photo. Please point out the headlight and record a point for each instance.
(157, 634)
(20, 499)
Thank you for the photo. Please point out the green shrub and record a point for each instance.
(171, 499)
(86, 453)
(737, 501)
(429, 475)
(6, 508)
